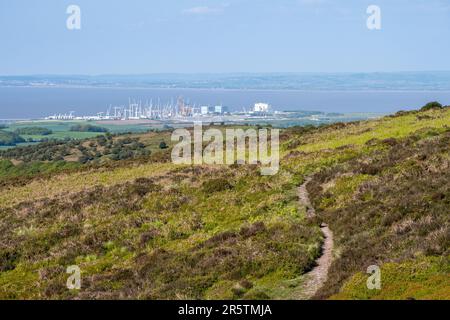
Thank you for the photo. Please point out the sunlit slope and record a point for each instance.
(154, 230)
(422, 278)
(203, 232)
(383, 188)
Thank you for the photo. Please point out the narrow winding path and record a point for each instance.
(317, 277)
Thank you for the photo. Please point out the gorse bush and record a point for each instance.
(163, 145)
(431, 106)
(216, 185)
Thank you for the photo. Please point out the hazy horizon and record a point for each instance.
(220, 73)
(421, 81)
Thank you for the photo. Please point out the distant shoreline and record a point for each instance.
(235, 89)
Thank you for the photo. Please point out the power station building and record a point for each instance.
(261, 108)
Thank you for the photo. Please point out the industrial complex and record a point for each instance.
(180, 110)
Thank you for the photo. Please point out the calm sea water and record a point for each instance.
(28, 102)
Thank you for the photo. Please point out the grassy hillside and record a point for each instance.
(425, 278)
(141, 227)
(384, 191)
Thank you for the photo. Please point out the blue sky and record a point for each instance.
(209, 36)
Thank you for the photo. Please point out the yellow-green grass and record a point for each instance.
(388, 127)
(328, 147)
(75, 182)
(341, 190)
(20, 283)
(174, 212)
(422, 279)
(257, 198)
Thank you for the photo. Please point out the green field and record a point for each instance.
(61, 130)
(60, 127)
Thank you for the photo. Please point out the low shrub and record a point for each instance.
(216, 185)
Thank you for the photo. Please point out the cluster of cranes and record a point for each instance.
(159, 111)
(136, 110)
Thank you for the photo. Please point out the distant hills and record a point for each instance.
(256, 81)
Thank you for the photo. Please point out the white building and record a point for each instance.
(204, 110)
(261, 107)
